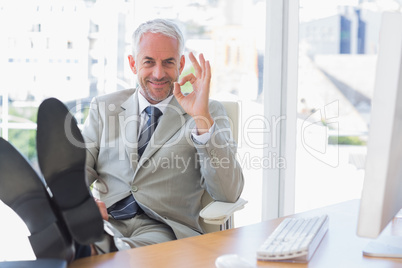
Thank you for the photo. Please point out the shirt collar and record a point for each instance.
(143, 103)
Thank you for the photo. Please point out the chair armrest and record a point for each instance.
(218, 213)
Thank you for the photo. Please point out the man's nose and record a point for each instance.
(158, 71)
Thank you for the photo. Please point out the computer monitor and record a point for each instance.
(382, 189)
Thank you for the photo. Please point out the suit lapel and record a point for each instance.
(129, 120)
(172, 120)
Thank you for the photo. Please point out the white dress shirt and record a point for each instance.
(144, 103)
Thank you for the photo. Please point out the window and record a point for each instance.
(36, 27)
(336, 81)
(69, 44)
(84, 46)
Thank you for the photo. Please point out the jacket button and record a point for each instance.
(213, 152)
(134, 188)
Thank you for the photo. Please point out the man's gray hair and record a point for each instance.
(162, 26)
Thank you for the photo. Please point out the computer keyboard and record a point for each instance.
(294, 240)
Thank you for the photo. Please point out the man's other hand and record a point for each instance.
(102, 209)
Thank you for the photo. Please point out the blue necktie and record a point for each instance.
(127, 208)
(149, 128)
(124, 209)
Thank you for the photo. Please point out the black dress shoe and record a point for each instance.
(24, 192)
(61, 155)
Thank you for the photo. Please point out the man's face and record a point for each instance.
(158, 66)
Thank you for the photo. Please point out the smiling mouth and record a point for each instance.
(158, 83)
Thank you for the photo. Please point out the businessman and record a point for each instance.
(152, 151)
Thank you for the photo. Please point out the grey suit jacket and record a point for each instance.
(173, 172)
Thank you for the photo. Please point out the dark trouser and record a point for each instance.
(82, 251)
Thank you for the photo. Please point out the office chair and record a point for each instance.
(219, 215)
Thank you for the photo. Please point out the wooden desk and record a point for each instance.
(340, 247)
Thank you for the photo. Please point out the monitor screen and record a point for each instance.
(382, 189)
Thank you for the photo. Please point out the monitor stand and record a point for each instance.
(386, 246)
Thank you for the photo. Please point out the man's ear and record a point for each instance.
(131, 62)
(182, 63)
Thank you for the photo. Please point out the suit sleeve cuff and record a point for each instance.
(203, 138)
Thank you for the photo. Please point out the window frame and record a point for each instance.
(280, 101)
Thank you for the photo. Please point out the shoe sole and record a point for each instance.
(24, 192)
(61, 156)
